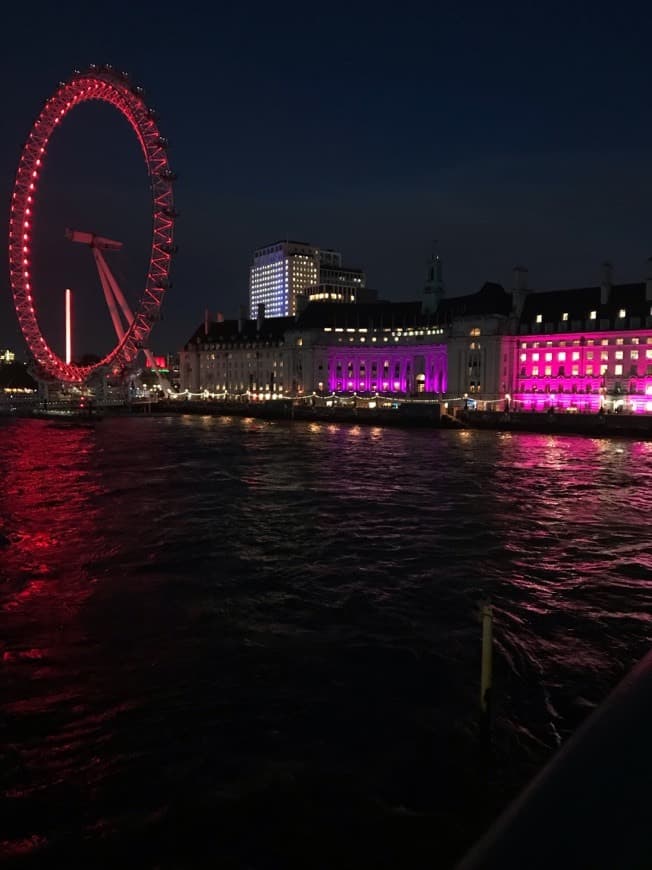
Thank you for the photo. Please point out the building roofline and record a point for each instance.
(285, 242)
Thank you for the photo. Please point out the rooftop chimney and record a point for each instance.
(242, 318)
(519, 290)
(520, 278)
(261, 317)
(648, 281)
(606, 283)
(220, 317)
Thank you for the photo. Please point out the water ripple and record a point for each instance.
(280, 621)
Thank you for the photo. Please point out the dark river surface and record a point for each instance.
(239, 644)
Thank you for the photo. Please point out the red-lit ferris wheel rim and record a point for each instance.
(97, 83)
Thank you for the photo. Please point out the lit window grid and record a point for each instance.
(620, 359)
(276, 284)
(390, 370)
(591, 315)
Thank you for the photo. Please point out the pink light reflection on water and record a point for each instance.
(574, 549)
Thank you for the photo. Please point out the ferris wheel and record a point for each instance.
(105, 84)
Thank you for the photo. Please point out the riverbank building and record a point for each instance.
(575, 350)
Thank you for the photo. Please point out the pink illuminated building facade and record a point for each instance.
(380, 347)
(586, 349)
(576, 350)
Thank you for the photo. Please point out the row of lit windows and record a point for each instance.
(337, 296)
(270, 308)
(399, 330)
(576, 354)
(593, 315)
(271, 305)
(256, 278)
(340, 277)
(243, 385)
(262, 294)
(363, 363)
(259, 354)
(362, 339)
(558, 388)
(576, 342)
(589, 371)
(410, 332)
(268, 297)
(385, 386)
(228, 344)
(577, 388)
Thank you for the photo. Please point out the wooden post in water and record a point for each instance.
(486, 670)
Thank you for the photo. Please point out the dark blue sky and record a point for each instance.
(512, 133)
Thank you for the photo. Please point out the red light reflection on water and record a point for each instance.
(31, 654)
(48, 519)
(33, 589)
(50, 509)
(20, 848)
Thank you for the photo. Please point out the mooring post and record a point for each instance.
(486, 670)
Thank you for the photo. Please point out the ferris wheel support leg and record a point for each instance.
(124, 305)
(117, 292)
(108, 294)
(102, 390)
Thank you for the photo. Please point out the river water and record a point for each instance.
(242, 644)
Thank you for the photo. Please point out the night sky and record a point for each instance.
(511, 134)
